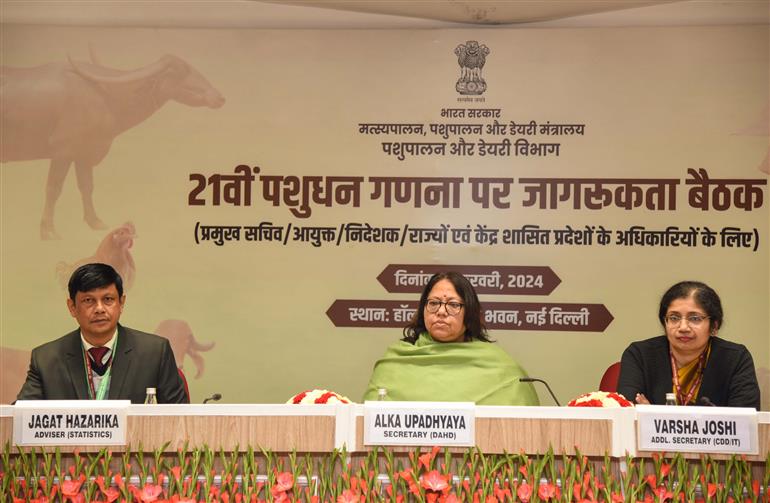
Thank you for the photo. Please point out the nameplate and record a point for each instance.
(70, 422)
(697, 429)
(420, 423)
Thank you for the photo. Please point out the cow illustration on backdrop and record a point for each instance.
(70, 112)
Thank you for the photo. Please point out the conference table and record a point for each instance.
(283, 428)
(328, 438)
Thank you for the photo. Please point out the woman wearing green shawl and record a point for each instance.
(446, 355)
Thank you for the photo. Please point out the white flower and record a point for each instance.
(318, 396)
(600, 399)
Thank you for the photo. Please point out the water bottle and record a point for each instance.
(151, 398)
(670, 399)
(382, 393)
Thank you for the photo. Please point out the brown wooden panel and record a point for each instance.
(278, 433)
(496, 435)
(6, 430)
(763, 439)
(592, 436)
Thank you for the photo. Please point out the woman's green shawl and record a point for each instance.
(427, 370)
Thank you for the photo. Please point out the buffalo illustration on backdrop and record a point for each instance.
(70, 112)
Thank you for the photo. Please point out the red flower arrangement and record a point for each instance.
(423, 478)
(600, 399)
(318, 396)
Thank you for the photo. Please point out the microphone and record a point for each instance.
(704, 400)
(213, 398)
(535, 379)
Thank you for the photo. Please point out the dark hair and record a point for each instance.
(474, 325)
(90, 276)
(703, 294)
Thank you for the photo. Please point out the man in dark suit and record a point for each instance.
(102, 359)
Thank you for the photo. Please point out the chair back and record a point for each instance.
(609, 380)
(184, 380)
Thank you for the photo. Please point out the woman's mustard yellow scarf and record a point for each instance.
(689, 378)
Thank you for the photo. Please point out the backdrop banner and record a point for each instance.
(276, 200)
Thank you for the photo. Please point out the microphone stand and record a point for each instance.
(213, 398)
(534, 379)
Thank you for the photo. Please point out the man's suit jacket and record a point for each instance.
(57, 370)
(729, 378)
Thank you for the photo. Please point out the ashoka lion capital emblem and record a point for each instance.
(471, 57)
